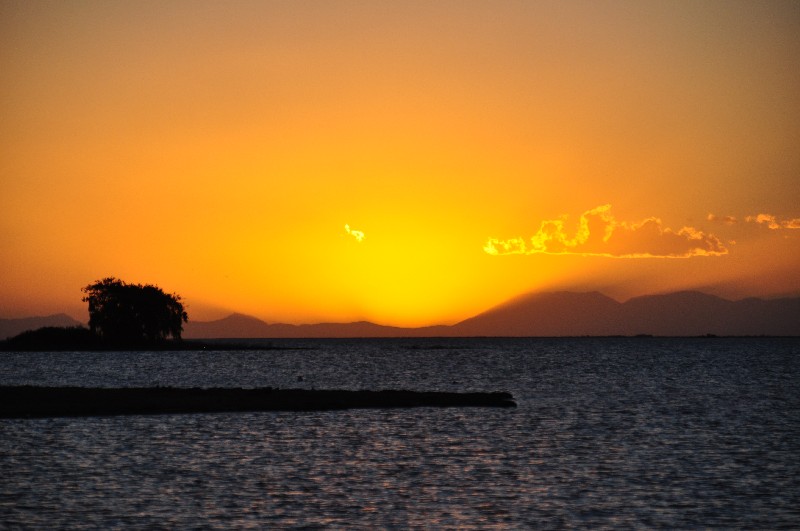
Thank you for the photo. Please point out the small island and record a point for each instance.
(122, 316)
(40, 402)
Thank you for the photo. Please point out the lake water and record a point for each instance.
(609, 433)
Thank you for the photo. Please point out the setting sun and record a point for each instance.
(402, 163)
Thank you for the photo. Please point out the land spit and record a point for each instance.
(33, 401)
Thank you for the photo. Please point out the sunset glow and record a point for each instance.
(407, 163)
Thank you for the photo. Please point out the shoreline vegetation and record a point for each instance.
(78, 338)
(40, 402)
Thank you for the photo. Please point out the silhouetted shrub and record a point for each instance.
(53, 338)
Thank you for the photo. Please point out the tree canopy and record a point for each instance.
(133, 313)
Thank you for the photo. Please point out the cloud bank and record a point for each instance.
(772, 222)
(600, 234)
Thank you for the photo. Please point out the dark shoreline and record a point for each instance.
(39, 402)
(261, 344)
(10, 345)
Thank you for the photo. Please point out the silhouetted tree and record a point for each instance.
(133, 313)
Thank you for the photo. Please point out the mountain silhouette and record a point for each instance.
(244, 326)
(234, 325)
(556, 314)
(12, 327)
(686, 313)
(693, 313)
(561, 313)
(548, 314)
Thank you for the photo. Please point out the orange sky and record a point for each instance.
(407, 162)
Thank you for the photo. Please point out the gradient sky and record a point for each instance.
(405, 162)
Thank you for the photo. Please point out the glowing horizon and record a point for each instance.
(406, 163)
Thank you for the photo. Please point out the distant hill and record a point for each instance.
(245, 326)
(235, 325)
(687, 313)
(693, 313)
(548, 314)
(12, 327)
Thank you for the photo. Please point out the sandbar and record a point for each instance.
(39, 402)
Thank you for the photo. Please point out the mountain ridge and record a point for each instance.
(536, 314)
(560, 314)
(12, 327)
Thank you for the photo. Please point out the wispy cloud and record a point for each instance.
(357, 234)
(600, 234)
(727, 220)
(771, 222)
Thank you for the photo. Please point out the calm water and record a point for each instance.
(678, 433)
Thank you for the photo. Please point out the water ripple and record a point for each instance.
(608, 434)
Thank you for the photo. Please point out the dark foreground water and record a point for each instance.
(615, 433)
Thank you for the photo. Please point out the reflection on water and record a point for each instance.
(608, 433)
